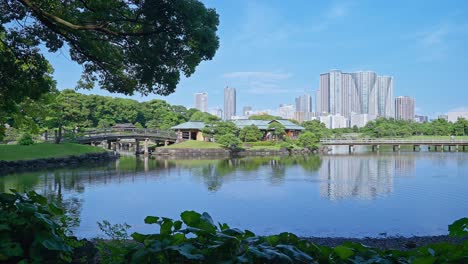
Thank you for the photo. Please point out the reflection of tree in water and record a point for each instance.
(215, 172)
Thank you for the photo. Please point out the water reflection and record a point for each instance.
(268, 194)
(363, 176)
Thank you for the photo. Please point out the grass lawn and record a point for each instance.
(195, 144)
(44, 150)
(436, 137)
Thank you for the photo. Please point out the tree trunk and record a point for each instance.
(58, 138)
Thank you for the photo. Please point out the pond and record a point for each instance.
(333, 195)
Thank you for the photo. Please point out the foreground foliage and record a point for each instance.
(197, 239)
(33, 230)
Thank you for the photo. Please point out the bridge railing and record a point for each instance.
(392, 141)
(126, 132)
(100, 133)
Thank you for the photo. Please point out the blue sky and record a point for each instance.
(272, 51)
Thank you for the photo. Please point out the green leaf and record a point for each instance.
(177, 225)
(27, 208)
(295, 253)
(424, 260)
(11, 249)
(56, 244)
(138, 237)
(190, 218)
(186, 250)
(7, 198)
(55, 209)
(35, 197)
(151, 220)
(459, 228)
(166, 227)
(431, 251)
(207, 218)
(343, 252)
(45, 219)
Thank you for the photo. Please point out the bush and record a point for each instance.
(229, 141)
(26, 139)
(33, 230)
(308, 140)
(287, 145)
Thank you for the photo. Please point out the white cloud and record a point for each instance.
(259, 82)
(459, 109)
(435, 43)
(338, 10)
(435, 36)
(335, 12)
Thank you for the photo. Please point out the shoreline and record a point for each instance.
(388, 243)
(7, 167)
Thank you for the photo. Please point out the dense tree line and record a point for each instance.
(382, 127)
(70, 110)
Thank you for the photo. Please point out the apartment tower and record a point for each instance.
(404, 108)
(201, 101)
(229, 103)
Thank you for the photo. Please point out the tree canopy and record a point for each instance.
(138, 46)
(125, 46)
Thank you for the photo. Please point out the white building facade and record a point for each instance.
(201, 101)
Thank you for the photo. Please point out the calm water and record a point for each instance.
(337, 195)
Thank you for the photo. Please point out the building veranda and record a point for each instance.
(192, 130)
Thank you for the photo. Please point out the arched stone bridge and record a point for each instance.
(127, 139)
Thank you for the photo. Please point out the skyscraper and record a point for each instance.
(286, 111)
(229, 103)
(304, 103)
(404, 108)
(246, 110)
(362, 92)
(201, 101)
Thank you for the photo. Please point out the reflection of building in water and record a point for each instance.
(404, 165)
(356, 176)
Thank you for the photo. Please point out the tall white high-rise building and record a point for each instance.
(201, 101)
(453, 116)
(361, 92)
(229, 102)
(304, 103)
(404, 108)
(286, 111)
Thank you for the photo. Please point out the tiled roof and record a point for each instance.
(241, 123)
(190, 125)
(263, 124)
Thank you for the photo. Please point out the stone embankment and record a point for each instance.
(22, 165)
(195, 152)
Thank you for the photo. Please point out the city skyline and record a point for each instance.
(229, 103)
(271, 50)
(362, 92)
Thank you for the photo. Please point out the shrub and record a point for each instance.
(229, 141)
(33, 230)
(308, 140)
(26, 139)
